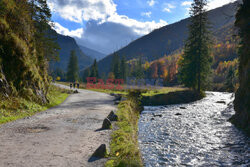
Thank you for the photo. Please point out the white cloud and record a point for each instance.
(141, 28)
(79, 10)
(151, 2)
(186, 3)
(64, 31)
(148, 14)
(212, 4)
(101, 11)
(105, 29)
(168, 7)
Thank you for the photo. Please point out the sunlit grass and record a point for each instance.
(15, 108)
(152, 91)
(124, 143)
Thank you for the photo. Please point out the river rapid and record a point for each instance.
(194, 134)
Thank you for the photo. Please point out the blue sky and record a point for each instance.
(108, 25)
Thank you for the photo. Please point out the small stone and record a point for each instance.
(152, 119)
(75, 91)
(112, 116)
(157, 115)
(183, 108)
(178, 114)
(100, 151)
(106, 124)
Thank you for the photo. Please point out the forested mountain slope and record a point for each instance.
(170, 38)
(67, 44)
(92, 53)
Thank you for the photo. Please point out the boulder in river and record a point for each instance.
(178, 114)
(183, 108)
(106, 124)
(222, 102)
(157, 115)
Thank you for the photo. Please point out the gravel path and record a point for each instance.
(62, 136)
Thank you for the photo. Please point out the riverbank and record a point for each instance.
(14, 108)
(124, 148)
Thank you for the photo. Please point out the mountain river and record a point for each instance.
(194, 134)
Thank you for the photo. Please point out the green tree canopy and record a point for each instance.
(94, 70)
(195, 65)
(73, 69)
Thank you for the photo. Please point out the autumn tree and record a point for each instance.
(154, 71)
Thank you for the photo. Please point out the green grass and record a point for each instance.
(163, 90)
(15, 108)
(124, 147)
(147, 92)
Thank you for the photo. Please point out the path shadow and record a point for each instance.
(100, 129)
(93, 159)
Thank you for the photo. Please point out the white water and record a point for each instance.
(200, 136)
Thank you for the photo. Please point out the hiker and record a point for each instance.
(74, 85)
(78, 85)
(70, 85)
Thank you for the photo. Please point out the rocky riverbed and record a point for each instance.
(194, 134)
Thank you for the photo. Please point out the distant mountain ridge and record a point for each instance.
(170, 38)
(92, 53)
(67, 44)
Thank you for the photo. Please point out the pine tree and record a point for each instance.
(124, 68)
(86, 74)
(139, 69)
(195, 65)
(73, 69)
(94, 70)
(116, 66)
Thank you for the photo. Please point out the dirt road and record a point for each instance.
(63, 136)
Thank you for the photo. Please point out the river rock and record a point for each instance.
(100, 151)
(112, 116)
(183, 108)
(178, 114)
(157, 115)
(222, 102)
(106, 124)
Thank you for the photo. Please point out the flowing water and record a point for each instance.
(194, 134)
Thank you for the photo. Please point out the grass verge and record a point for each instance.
(14, 108)
(124, 147)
